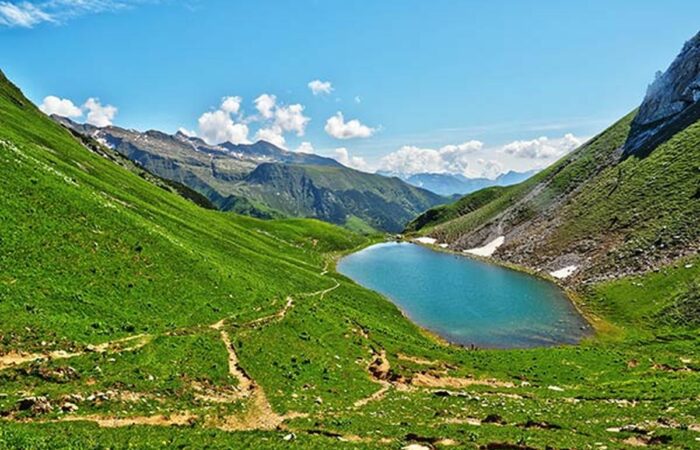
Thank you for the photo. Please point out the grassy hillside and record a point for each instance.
(132, 318)
(608, 214)
(264, 181)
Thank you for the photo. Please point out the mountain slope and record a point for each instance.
(226, 175)
(336, 194)
(597, 209)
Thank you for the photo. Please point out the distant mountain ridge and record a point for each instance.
(450, 184)
(263, 180)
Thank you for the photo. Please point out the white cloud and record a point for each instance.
(543, 147)
(489, 168)
(27, 14)
(355, 162)
(291, 118)
(59, 106)
(278, 119)
(472, 159)
(231, 105)
(339, 129)
(273, 135)
(186, 132)
(273, 121)
(217, 127)
(98, 114)
(319, 87)
(410, 160)
(305, 147)
(358, 99)
(265, 105)
(22, 14)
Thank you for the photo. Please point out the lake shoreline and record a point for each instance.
(596, 324)
(575, 334)
(374, 240)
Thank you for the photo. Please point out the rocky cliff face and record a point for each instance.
(671, 104)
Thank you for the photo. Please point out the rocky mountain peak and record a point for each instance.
(672, 102)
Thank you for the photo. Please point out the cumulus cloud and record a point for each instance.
(279, 119)
(273, 135)
(265, 104)
(409, 160)
(488, 168)
(186, 132)
(230, 124)
(231, 105)
(543, 147)
(305, 147)
(319, 87)
(291, 118)
(219, 126)
(356, 162)
(27, 14)
(472, 159)
(216, 127)
(98, 114)
(60, 106)
(338, 128)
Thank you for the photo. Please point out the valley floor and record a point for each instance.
(627, 387)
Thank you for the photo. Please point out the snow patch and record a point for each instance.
(425, 240)
(442, 245)
(564, 272)
(488, 249)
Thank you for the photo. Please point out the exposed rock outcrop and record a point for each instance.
(672, 102)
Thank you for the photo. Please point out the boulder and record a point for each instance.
(672, 103)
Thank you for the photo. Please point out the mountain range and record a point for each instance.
(450, 184)
(263, 180)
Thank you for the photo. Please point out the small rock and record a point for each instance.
(555, 388)
(73, 398)
(633, 429)
(69, 407)
(494, 418)
(319, 400)
(442, 393)
(290, 437)
(39, 404)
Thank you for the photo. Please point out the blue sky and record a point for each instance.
(460, 86)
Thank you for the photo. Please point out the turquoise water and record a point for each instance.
(465, 301)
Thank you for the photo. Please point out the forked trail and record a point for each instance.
(16, 358)
(259, 414)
